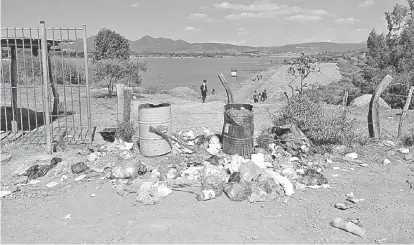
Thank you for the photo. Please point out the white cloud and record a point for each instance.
(350, 20)
(192, 29)
(242, 31)
(135, 5)
(210, 20)
(366, 4)
(303, 18)
(266, 9)
(196, 16)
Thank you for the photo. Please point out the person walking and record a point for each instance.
(255, 97)
(264, 95)
(203, 89)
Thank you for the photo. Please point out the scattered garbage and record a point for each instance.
(63, 178)
(79, 167)
(5, 193)
(404, 150)
(126, 155)
(313, 177)
(348, 226)
(408, 157)
(258, 194)
(92, 157)
(152, 193)
(237, 192)
(234, 177)
(352, 155)
(249, 171)
(68, 216)
(128, 169)
(350, 198)
(37, 171)
(93, 195)
(212, 187)
(52, 184)
(80, 177)
(343, 206)
(386, 162)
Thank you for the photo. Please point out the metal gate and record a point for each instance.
(44, 75)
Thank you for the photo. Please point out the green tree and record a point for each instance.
(301, 68)
(113, 71)
(111, 45)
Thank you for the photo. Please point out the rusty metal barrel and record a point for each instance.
(238, 129)
(159, 117)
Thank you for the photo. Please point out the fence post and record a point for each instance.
(405, 109)
(13, 80)
(127, 105)
(345, 100)
(85, 55)
(120, 99)
(45, 86)
(373, 117)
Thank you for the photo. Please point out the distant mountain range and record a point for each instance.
(149, 44)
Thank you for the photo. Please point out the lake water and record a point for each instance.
(186, 72)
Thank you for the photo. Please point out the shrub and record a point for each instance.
(408, 140)
(320, 126)
(152, 89)
(125, 131)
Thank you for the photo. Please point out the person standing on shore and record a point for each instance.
(255, 97)
(203, 89)
(264, 95)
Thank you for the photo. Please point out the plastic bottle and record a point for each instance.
(348, 226)
(206, 194)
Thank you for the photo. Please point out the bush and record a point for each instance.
(152, 89)
(320, 126)
(125, 131)
(408, 140)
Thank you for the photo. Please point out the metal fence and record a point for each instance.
(44, 75)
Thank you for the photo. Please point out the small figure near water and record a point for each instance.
(264, 95)
(204, 90)
(213, 92)
(255, 97)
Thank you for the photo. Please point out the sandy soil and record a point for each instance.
(34, 214)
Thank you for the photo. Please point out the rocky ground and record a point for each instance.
(93, 210)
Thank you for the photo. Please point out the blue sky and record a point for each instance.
(254, 23)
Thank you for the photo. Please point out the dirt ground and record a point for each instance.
(34, 214)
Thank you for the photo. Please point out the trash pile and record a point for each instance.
(277, 168)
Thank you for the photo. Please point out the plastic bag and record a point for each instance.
(212, 187)
(249, 171)
(313, 177)
(79, 167)
(259, 194)
(237, 191)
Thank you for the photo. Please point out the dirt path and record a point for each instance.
(34, 215)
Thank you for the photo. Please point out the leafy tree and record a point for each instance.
(301, 68)
(113, 71)
(111, 45)
(393, 53)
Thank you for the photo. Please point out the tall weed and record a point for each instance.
(323, 127)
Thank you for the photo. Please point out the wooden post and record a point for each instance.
(345, 100)
(53, 86)
(230, 96)
(120, 98)
(45, 86)
(373, 115)
(127, 105)
(405, 109)
(13, 80)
